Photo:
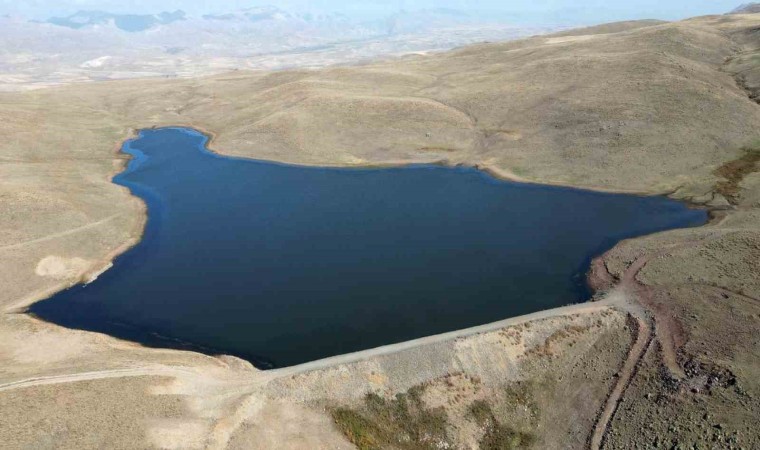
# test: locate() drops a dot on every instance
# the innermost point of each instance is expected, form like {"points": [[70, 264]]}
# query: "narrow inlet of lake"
{"points": [[283, 264]]}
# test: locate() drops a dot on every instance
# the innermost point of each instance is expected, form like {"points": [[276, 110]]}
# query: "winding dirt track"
{"points": [[639, 296], [50, 237], [96, 375], [644, 338], [644, 333]]}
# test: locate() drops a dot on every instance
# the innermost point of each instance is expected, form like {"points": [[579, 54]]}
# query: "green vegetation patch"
{"points": [[360, 431], [497, 436], [520, 396], [402, 422], [735, 171]]}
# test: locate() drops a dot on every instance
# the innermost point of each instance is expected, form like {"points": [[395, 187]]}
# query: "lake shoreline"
{"points": [[209, 137]]}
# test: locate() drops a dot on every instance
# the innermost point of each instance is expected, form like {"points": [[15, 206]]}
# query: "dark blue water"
{"points": [[281, 264]]}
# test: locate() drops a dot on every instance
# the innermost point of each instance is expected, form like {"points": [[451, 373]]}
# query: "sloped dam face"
{"points": [[282, 264]]}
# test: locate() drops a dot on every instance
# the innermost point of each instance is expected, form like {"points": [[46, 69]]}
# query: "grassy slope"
{"points": [[649, 109]]}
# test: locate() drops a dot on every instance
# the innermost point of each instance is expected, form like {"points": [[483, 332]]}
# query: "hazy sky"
{"points": [[523, 10]]}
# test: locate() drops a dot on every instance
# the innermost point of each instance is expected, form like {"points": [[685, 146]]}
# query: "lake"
{"points": [[282, 264]]}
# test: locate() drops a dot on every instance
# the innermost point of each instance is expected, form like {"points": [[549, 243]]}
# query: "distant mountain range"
{"points": [[747, 8], [411, 21], [100, 45], [273, 13], [125, 22], [269, 17]]}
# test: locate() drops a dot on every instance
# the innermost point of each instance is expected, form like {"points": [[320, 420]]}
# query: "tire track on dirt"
{"points": [[68, 232]]}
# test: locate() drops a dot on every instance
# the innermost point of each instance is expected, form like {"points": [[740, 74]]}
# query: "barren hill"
{"points": [[666, 357]]}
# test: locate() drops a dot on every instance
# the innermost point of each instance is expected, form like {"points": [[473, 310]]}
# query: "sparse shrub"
{"points": [[402, 422], [497, 436], [500, 437], [481, 412], [360, 431], [734, 172]]}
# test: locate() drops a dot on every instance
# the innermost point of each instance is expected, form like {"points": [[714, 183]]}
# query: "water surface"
{"points": [[283, 264]]}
